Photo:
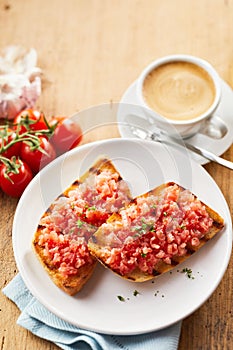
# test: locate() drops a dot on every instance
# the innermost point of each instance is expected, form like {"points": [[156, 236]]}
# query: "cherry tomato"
{"points": [[9, 135], [30, 119], [14, 183], [34, 157], [67, 135]]}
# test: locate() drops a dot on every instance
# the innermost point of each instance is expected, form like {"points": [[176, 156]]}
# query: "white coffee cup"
{"points": [[181, 90]]}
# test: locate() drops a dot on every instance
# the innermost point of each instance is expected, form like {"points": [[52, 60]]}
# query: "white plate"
{"points": [[224, 111], [172, 296]]}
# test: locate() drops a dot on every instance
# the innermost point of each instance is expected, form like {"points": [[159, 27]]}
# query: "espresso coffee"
{"points": [[179, 90]]}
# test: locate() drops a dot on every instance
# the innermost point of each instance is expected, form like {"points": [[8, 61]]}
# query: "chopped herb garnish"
{"points": [[79, 223], [164, 213], [143, 255], [91, 208], [137, 228], [144, 228], [157, 292], [136, 235], [135, 293], [121, 298], [188, 272]]}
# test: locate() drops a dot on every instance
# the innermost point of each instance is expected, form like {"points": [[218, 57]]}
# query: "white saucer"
{"points": [[224, 111]]}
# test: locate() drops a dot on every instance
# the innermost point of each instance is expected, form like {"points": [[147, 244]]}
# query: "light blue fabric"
{"points": [[41, 322]]}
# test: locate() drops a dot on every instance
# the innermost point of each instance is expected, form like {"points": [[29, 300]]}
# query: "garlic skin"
{"points": [[20, 80]]}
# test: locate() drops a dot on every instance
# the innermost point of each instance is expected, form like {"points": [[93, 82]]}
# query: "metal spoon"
{"points": [[162, 136], [214, 128]]}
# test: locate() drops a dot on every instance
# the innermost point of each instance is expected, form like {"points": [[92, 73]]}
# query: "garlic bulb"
{"points": [[20, 80]]}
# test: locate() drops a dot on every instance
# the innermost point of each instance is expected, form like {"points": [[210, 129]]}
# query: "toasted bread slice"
{"points": [[71, 284], [154, 233], [60, 241]]}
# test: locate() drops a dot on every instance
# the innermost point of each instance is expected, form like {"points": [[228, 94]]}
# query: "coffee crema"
{"points": [[179, 90]]}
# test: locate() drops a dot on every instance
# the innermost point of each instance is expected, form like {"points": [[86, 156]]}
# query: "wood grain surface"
{"points": [[90, 51]]}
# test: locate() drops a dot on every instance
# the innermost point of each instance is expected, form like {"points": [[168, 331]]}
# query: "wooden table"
{"points": [[90, 52]]}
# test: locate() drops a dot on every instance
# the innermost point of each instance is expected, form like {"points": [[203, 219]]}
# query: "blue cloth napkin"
{"points": [[41, 322]]}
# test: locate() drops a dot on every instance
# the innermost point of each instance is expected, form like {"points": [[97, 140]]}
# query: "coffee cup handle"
{"points": [[214, 128]]}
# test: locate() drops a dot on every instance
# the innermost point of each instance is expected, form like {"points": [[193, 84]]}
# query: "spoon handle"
{"points": [[162, 137], [196, 149], [209, 155]]}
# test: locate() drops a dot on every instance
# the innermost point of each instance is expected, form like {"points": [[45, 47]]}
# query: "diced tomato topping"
{"points": [[73, 219], [155, 228]]}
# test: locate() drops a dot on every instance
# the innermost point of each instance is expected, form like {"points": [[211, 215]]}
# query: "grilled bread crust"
{"points": [[70, 284], [73, 283], [98, 250]]}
